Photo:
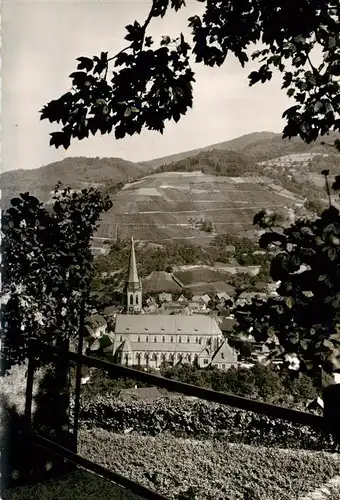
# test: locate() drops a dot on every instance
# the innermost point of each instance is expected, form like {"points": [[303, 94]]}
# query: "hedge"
{"points": [[186, 417]]}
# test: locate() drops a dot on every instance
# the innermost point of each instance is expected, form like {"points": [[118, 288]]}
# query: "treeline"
{"points": [[214, 162], [165, 258], [262, 383]]}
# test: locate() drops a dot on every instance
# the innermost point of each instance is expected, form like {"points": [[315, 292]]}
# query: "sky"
{"points": [[40, 43]]}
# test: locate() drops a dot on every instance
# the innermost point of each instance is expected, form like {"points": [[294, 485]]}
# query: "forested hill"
{"points": [[258, 146], [74, 172], [232, 157]]}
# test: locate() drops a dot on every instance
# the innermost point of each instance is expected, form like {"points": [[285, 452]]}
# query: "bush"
{"points": [[200, 419], [13, 386]]}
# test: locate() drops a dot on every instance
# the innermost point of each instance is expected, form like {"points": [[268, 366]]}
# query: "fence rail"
{"points": [[273, 411], [72, 457]]}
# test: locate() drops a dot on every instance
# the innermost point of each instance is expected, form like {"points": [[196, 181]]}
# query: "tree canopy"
{"points": [[47, 267], [304, 319], [142, 87]]}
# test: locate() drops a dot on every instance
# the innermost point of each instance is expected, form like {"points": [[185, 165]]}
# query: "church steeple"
{"points": [[133, 274], [134, 284]]}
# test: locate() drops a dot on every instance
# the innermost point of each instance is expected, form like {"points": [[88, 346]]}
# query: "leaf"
{"points": [[328, 344], [60, 139], [290, 302], [165, 40], [332, 253], [128, 112], [85, 63], [304, 344]]}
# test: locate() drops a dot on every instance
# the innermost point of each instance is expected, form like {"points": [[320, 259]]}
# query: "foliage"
{"points": [[304, 320], [183, 417], [259, 382], [13, 386], [50, 417], [160, 80], [46, 267]]}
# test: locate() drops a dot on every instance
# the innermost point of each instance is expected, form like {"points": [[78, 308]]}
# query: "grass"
{"points": [[78, 485]]}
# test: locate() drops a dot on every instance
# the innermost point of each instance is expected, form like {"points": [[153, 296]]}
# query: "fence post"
{"points": [[331, 401], [78, 378], [29, 384]]}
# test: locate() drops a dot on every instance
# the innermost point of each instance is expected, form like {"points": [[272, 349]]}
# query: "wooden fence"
{"points": [[273, 411]]}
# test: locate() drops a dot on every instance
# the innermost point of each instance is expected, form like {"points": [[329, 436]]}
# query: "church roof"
{"points": [[167, 324], [133, 274], [225, 354]]}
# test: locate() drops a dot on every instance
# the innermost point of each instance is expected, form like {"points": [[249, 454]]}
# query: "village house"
{"points": [[165, 297], [96, 325]]}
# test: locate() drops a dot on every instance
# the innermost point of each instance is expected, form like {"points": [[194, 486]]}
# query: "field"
{"points": [[159, 207], [211, 470]]}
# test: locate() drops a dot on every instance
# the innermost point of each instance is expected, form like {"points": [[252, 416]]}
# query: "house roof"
{"points": [[125, 346], [206, 353], [110, 310], [95, 321], [167, 323], [225, 354], [227, 325], [160, 281]]}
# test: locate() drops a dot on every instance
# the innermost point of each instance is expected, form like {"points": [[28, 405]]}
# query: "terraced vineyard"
{"points": [[159, 207]]}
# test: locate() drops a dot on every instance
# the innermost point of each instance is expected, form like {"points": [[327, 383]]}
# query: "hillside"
{"points": [[76, 172], [208, 191], [257, 146], [163, 207]]}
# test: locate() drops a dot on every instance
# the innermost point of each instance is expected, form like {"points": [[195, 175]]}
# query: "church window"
{"points": [[163, 339], [196, 340], [208, 341], [147, 338], [189, 358], [138, 338], [222, 355], [200, 341], [131, 300], [137, 299], [121, 338], [155, 339], [127, 359], [188, 340], [179, 339], [205, 361], [171, 339]]}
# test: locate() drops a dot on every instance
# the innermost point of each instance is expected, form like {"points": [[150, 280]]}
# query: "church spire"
{"points": [[133, 274], [134, 285]]}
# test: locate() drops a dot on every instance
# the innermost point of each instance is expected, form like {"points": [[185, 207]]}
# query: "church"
{"points": [[147, 340]]}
